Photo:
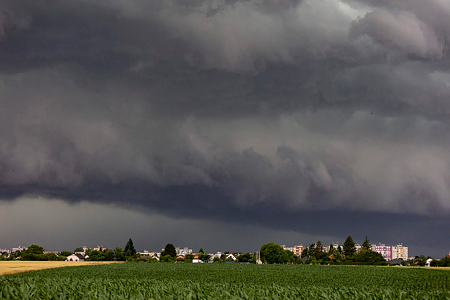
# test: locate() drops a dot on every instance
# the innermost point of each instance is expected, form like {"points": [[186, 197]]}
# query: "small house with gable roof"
{"points": [[75, 257]]}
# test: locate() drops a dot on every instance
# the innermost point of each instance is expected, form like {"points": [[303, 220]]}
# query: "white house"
{"points": [[217, 254], [230, 256], [75, 257]]}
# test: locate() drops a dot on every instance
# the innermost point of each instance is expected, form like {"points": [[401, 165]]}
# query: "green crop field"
{"points": [[226, 281]]}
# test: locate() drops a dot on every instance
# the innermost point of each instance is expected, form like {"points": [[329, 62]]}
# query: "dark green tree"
{"points": [[369, 257], [366, 244], [169, 250], [443, 262], [50, 256], [349, 247], [167, 258], [331, 250], [35, 249], [318, 251], [79, 249], [334, 254], [108, 254], [34, 252], [289, 256], [245, 257], [305, 252], [272, 253], [117, 254], [203, 256], [188, 258], [65, 253], [420, 260], [312, 250], [129, 248], [98, 256]]}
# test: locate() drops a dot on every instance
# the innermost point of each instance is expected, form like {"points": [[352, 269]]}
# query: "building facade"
{"points": [[399, 252], [183, 251], [75, 257], [385, 251], [287, 248], [298, 249]]}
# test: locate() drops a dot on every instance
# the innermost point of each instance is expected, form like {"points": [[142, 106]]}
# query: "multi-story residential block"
{"points": [[5, 251], [399, 252], [100, 248], [287, 248], [16, 249], [358, 247], [183, 251], [385, 251], [298, 249]]}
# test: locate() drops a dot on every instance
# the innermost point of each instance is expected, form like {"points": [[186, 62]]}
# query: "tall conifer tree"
{"points": [[129, 248], [349, 246]]}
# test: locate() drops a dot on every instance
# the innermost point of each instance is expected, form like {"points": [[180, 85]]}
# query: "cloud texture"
{"points": [[259, 111]]}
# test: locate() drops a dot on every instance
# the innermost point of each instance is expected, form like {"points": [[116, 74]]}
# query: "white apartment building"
{"points": [[399, 252], [287, 248], [183, 251], [16, 249]]}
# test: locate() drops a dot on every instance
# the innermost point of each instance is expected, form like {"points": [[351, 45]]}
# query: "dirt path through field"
{"points": [[11, 267]]}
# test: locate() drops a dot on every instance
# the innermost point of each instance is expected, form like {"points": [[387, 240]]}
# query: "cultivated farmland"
{"points": [[222, 281], [11, 267]]}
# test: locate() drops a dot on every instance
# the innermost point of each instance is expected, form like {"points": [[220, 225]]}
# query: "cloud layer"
{"points": [[228, 109]]}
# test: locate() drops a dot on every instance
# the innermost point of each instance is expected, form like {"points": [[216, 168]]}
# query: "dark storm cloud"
{"points": [[273, 112]]}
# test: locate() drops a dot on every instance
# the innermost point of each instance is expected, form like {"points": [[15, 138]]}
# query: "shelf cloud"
{"points": [[268, 113]]}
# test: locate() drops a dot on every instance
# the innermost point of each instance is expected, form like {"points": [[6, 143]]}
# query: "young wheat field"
{"points": [[226, 281]]}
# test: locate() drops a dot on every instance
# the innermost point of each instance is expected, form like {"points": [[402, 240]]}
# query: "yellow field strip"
{"points": [[11, 267]]}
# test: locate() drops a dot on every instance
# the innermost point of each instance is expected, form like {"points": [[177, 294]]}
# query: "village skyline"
{"points": [[389, 252]]}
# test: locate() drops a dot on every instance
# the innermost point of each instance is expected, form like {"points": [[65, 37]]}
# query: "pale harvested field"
{"points": [[11, 267]]}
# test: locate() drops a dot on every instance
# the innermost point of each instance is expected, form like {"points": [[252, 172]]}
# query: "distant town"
{"points": [[348, 253]]}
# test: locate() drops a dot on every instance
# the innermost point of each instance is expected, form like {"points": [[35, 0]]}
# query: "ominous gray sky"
{"points": [[224, 124]]}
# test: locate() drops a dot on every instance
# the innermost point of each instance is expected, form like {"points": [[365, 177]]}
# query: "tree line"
{"points": [[36, 253], [129, 253], [272, 253]]}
